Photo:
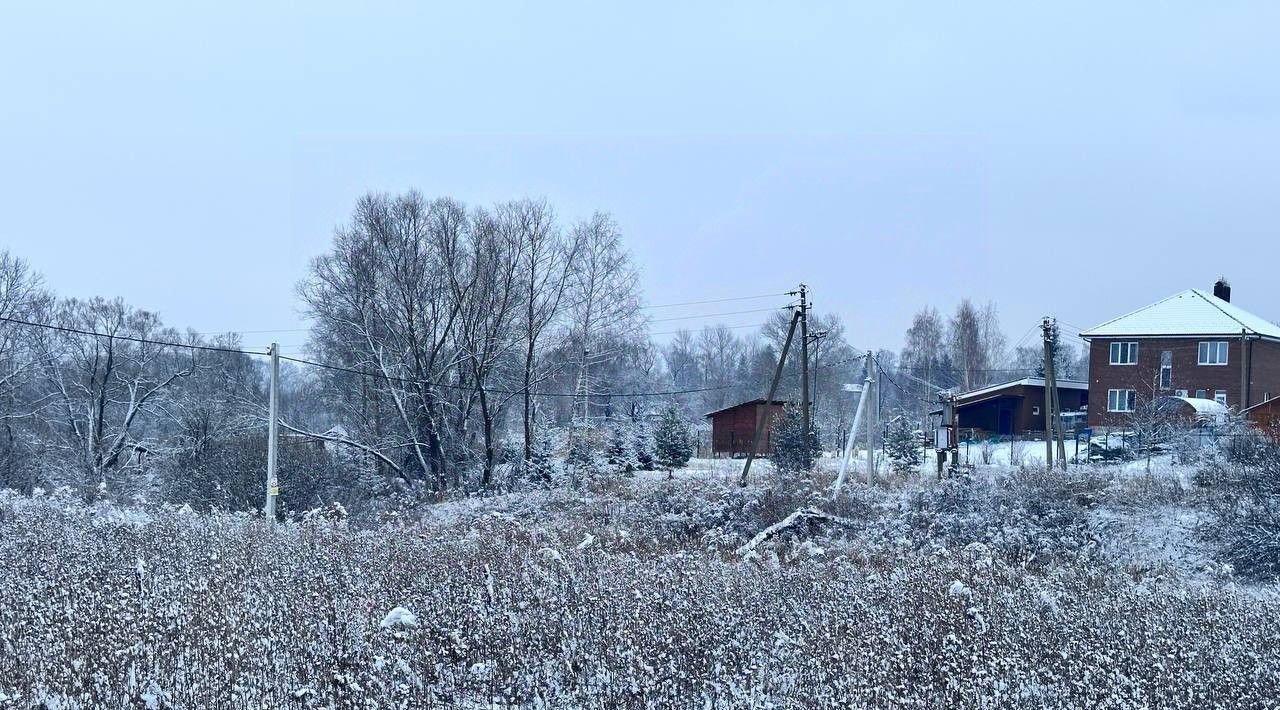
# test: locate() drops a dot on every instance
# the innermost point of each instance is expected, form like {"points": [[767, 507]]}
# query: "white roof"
{"points": [[1204, 406], [1207, 410], [1192, 312], [1030, 381]]}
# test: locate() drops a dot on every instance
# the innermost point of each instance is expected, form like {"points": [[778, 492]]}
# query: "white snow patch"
{"points": [[399, 616]]}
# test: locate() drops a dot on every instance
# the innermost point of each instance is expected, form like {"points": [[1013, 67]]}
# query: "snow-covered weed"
{"points": [[977, 592]]}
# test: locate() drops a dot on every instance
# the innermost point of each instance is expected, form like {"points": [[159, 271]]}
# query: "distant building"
{"points": [[1193, 345], [733, 429], [1266, 416], [1017, 407]]}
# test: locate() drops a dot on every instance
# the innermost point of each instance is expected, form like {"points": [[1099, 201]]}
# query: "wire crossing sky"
{"points": [[1075, 160]]}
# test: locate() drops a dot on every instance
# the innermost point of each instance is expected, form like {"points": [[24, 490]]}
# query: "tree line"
{"points": [[463, 347]]}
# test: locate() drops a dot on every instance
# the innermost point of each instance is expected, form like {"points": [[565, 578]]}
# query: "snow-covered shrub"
{"points": [[586, 459], [545, 465], [987, 450], [1246, 529], [514, 610], [1017, 452]]}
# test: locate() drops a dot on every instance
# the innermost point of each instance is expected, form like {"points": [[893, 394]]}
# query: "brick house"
{"points": [[1192, 344]]}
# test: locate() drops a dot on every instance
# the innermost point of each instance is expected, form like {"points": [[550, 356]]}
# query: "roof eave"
{"points": [[1252, 335]]}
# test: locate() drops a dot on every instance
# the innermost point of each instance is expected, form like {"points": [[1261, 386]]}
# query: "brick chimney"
{"points": [[1222, 289]]}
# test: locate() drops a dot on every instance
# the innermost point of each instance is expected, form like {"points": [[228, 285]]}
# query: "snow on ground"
{"points": [[1001, 587]]}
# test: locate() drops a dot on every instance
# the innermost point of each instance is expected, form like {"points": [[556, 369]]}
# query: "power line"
{"points": [[894, 382], [730, 327], [838, 363], [714, 315], [129, 338], [406, 380], [256, 332], [660, 305], [717, 300]]}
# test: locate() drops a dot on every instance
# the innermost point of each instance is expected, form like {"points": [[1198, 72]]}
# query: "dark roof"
{"points": [[1063, 384], [757, 400]]}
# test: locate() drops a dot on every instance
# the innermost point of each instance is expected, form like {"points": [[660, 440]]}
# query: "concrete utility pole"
{"points": [[1048, 398], [804, 360], [873, 414], [273, 436], [761, 420], [853, 433]]}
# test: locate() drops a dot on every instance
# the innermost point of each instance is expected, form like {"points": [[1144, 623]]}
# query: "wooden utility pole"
{"points": [[761, 420], [1245, 364], [273, 436], [804, 361], [1053, 433]]}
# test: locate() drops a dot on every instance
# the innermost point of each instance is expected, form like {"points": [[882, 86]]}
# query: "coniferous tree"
{"points": [[794, 451], [903, 446], [673, 439], [644, 446], [621, 448]]}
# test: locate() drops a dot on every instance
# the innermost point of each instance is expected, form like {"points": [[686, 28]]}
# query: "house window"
{"points": [[1182, 393], [1124, 353], [1121, 400], [1213, 353], [1220, 396], [1201, 394], [1166, 369], [1035, 411]]}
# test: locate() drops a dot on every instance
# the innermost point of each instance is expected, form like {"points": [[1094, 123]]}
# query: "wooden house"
{"points": [[733, 428]]}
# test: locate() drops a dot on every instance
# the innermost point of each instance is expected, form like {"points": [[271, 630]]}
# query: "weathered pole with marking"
{"points": [[761, 420]]}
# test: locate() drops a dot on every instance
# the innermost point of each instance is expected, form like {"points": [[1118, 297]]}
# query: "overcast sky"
{"points": [[1079, 161]]}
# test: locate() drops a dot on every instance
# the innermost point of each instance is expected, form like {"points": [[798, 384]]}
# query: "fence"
{"points": [[1117, 447]]}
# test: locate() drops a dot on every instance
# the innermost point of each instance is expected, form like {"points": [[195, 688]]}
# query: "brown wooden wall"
{"points": [[1020, 401], [732, 430]]}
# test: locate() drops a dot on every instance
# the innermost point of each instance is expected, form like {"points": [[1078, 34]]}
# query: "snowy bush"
{"points": [[1246, 528], [968, 593]]}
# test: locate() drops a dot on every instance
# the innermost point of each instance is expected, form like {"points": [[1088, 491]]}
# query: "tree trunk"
{"points": [[487, 476]]}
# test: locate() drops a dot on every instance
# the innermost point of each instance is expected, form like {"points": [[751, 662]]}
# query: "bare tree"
{"points": [[489, 289], [103, 386], [604, 298], [976, 342], [545, 262], [384, 300], [923, 356]]}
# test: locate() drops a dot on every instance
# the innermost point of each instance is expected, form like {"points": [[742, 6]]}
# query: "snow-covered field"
{"points": [[1009, 588]]}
